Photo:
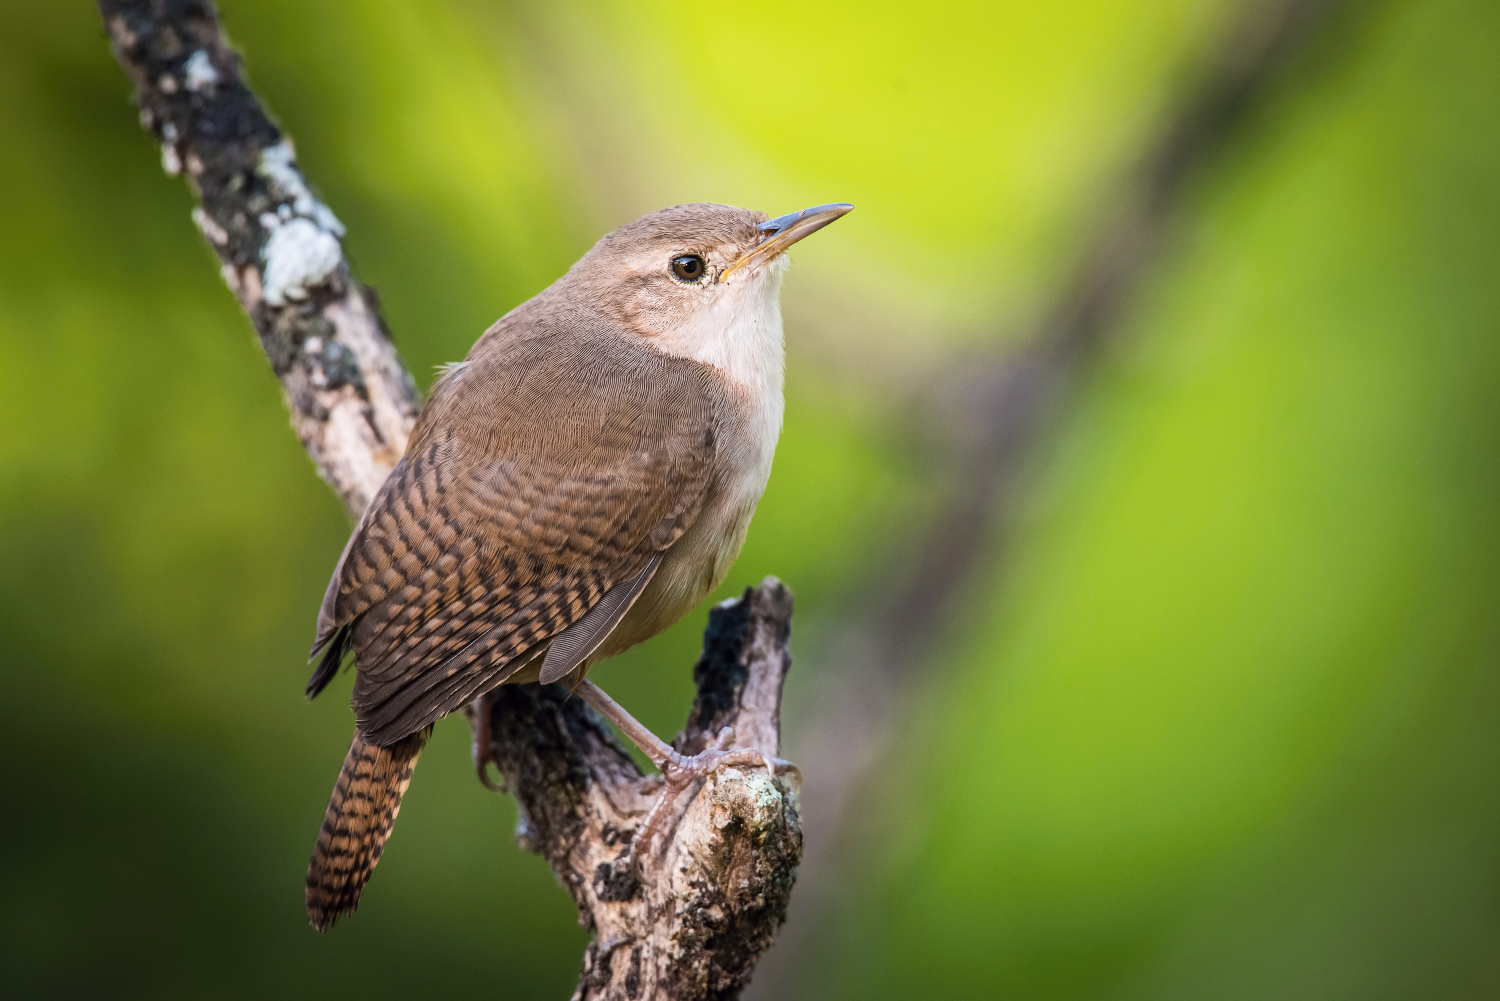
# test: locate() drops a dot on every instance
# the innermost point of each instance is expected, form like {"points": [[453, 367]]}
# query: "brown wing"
{"points": [[531, 488]]}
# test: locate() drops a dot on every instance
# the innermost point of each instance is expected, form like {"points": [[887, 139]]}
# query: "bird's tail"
{"points": [[360, 815]]}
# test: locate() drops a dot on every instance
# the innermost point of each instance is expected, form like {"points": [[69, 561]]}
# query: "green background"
{"points": [[1223, 721]]}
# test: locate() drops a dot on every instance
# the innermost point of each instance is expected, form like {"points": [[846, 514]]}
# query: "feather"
{"points": [[334, 649], [584, 636], [360, 815], [514, 513]]}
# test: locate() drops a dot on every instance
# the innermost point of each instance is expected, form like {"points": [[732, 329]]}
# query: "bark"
{"points": [[690, 919], [352, 401]]}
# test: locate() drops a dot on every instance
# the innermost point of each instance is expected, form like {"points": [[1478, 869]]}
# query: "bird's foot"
{"points": [[684, 768], [679, 771], [483, 746]]}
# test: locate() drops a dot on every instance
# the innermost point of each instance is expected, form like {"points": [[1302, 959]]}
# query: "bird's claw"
{"points": [[483, 745], [682, 770], [481, 765]]}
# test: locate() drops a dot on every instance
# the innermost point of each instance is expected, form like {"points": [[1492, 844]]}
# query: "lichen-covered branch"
{"points": [[352, 402], [689, 920]]}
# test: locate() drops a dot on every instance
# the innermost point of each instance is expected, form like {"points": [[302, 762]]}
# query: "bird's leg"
{"points": [[677, 769], [483, 748], [674, 764]]}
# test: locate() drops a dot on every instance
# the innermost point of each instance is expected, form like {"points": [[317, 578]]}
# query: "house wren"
{"points": [[573, 487]]}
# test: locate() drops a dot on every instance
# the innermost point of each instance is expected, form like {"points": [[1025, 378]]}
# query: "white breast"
{"points": [[741, 337], [744, 342], [739, 334]]}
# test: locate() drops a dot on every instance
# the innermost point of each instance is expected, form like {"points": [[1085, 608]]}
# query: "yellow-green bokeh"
{"points": [[1222, 724]]}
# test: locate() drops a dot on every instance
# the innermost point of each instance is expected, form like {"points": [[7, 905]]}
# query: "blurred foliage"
{"points": [[1228, 728], [1223, 727]]}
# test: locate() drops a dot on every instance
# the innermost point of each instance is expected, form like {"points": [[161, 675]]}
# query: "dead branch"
{"points": [[689, 921]]}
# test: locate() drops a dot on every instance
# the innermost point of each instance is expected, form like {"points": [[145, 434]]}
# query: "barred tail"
{"points": [[360, 814]]}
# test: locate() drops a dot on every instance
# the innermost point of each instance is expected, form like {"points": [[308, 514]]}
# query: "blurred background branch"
{"points": [[984, 416]]}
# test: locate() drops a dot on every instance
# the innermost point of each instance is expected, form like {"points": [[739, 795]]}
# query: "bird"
{"points": [[578, 483]]}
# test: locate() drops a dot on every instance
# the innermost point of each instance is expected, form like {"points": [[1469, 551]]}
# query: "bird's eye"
{"points": [[688, 267]]}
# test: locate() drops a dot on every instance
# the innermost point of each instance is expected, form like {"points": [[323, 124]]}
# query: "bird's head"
{"points": [[697, 280]]}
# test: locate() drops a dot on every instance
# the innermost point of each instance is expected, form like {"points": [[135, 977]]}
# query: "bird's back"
{"points": [[549, 467]]}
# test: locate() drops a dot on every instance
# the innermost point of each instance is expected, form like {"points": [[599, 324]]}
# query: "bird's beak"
{"points": [[783, 231]]}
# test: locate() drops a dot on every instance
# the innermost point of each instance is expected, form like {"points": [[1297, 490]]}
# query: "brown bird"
{"points": [[573, 487]]}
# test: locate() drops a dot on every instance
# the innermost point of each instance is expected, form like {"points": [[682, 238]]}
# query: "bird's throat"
{"points": [[741, 337]]}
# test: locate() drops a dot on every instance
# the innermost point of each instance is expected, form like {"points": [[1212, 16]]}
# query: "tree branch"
{"points": [[690, 920], [352, 402]]}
